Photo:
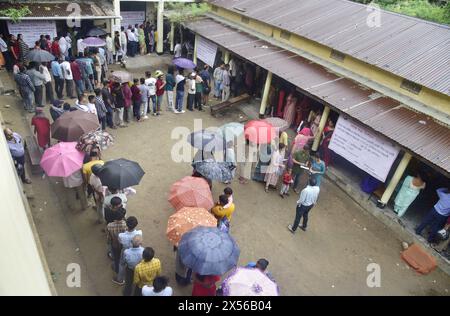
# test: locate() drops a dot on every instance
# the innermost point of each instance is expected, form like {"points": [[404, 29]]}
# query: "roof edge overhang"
{"points": [[38, 18]]}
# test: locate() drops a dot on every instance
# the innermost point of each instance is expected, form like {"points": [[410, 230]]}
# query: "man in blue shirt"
{"points": [[437, 216], [59, 79]]}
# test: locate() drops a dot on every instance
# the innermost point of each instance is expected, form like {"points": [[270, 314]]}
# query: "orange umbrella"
{"points": [[191, 192], [186, 219]]}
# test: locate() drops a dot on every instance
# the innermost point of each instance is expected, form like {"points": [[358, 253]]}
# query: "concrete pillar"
{"points": [[323, 121], [159, 45], [115, 23], [265, 97], [194, 57], [172, 36], [226, 57], [396, 178]]}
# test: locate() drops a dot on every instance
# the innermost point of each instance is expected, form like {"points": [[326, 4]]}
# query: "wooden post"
{"points": [[160, 28], [323, 121], [194, 57], [396, 178], [265, 97], [172, 36]]}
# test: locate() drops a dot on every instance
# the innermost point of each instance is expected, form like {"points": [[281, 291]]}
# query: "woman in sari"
{"points": [[141, 35], [302, 138], [275, 168], [326, 138], [290, 109], [410, 189]]}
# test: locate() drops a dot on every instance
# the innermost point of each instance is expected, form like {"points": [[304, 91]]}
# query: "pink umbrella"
{"points": [[62, 160]]}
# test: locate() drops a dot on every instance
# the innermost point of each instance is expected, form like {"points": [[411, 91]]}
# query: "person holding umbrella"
{"points": [[205, 285]]}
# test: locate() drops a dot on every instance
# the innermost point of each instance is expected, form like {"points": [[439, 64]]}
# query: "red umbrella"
{"points": [[191, 192], [259, 132]]}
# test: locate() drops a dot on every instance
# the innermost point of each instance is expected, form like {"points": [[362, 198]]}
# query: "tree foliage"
{"points": [[431, 10], [180, 12], [16, 14]]}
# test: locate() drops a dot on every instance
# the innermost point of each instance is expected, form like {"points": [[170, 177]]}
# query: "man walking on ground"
{"points": [[308, 198], [437, 216]]}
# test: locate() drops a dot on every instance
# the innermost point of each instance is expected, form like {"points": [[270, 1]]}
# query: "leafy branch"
{"points": [[15, 14]]}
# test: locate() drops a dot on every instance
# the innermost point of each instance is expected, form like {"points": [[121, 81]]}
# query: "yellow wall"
{"points": [[431, 98]]}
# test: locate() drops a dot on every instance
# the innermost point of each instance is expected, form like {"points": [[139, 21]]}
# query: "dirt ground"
{"points": [[331, 258]]}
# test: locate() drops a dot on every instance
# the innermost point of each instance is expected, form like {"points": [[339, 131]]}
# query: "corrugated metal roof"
{"points": [[411, 48], [59, 8], [416, 132]]}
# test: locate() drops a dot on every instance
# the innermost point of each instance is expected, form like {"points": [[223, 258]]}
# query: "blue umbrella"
{"points": [[184, 63], [231, 131], [208, 251], [207, 141], [214, 171]]}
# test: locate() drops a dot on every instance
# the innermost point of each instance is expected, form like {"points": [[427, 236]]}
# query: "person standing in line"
{"points": [[23, 50], [109, 49], [308, 198], [177, 50], [75, 182], [147, 30], [198, 92], [113, 229], [226, 82], [180, 81], [41, 128], [26, 89], [69, 45], [117, 47], [38, 80], [58, 78], [299, 158], [151, 83], [48, 84], [131, 42], [68, 78], [77, 76], [131, 258], [14, 49], [318, 168], [145, 97], [96, 185], [6, 54], [206, 77], [137, 100], [17, 150], [108, 100], [218, 78], [191, 91], [56, 51], [141, 38], [123, 42], [146, 271], [160, 87], [63, 47], [127, 96], [170, 85], [100, 108], [80, 47], [125, 240], [437, 216], [160, 288], [119, 103], [408, 192]]}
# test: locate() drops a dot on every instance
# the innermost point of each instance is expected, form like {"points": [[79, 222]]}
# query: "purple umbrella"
{"points": [[94, 42], [184, 63]]}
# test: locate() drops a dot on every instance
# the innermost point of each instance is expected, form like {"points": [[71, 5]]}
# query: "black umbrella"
{"points": [[40, 56], [96, 31], [121, 174]]}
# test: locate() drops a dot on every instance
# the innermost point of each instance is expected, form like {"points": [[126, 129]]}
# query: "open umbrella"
{"points": [[231, 131], [70, 126], [184, 63], [99, 139], [186, 219], [120, 76], [94, 42], [40, 56], [208, 251], [249, 282], [214, 171], [121, 174], [191, 192], [62, 160], [207, 141], [96, 31], [259, 132], [278, 123]]}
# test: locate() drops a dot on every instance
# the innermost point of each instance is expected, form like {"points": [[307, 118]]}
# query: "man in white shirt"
{"points": [[151, 83], [96, 184], [81, 103], [308, 198], [69, 45], [177, 51], [123, 42], [48, 84], [132, 41], [63, 47], [159, 288], [109, 49], [68, 77], [126, 238], [80, 46]]}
